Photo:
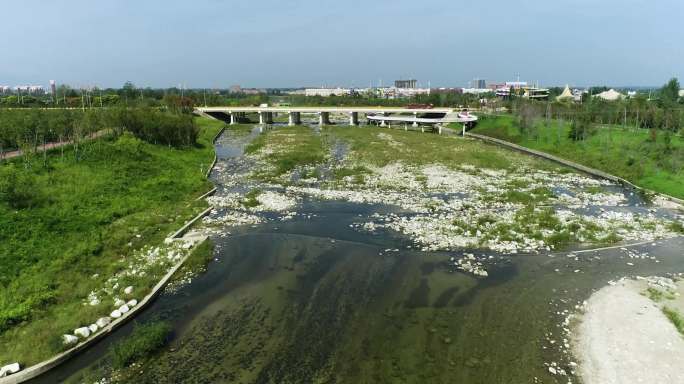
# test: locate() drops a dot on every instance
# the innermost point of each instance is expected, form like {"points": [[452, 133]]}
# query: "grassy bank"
{"points": [[629, 153], [81, 219]]}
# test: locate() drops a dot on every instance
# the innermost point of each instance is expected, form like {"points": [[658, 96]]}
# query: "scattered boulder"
{"points": [[10, 369], [103, 321], [115, 314], [93, 328], [132, 303], [69, 339], [82, 332], [118, 302], [128, 290], [124, 308]]}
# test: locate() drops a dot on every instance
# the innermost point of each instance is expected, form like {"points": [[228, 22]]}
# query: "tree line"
{"points": [[28, 129], [662, 113]]}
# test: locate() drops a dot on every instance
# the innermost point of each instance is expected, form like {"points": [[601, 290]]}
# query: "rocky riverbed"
{"points": [[358, 267]]}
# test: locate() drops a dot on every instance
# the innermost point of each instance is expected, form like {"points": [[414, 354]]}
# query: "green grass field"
{"points": [[81, 218], [625, 152]]}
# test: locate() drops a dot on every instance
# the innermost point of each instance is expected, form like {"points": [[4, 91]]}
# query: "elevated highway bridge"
{"points": [[380, 115]]}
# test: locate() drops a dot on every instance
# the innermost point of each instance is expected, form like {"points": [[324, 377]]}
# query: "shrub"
{"points": [[143, 341], [157, 127], [18, 188]]}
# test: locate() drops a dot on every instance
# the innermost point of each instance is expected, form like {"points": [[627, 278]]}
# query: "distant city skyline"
{"points": [[275, 44]]}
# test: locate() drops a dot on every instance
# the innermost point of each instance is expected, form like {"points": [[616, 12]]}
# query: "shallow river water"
{"points": [[311, 299]]}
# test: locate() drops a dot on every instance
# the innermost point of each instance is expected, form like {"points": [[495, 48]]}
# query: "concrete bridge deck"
{"points": [[382, 115]]}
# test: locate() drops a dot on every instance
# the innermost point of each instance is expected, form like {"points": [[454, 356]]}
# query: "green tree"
{"points": [[669, 93]]}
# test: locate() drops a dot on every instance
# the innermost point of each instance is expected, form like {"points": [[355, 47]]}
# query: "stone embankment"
{"points": [[579, 167]]}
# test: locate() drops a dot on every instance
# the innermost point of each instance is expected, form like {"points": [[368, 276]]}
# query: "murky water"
{"points": [[312, 300]]}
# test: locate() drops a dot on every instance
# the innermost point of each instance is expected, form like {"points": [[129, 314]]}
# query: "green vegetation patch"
{"points": [[652, 159], [675, 317], [380, 147], [76, 219], [289, 148], [250, 200], [141, 343], [657, 295]]}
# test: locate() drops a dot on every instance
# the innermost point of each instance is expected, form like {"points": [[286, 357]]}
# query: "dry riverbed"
{"points": [[627, 333]]}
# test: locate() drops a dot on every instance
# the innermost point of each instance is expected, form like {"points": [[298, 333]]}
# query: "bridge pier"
{"points": [[294, 118], [323, 118], [233, 118], [265, 117], [415, 123], [353, 118]]}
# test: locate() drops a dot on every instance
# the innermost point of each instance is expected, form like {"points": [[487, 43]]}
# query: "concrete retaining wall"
{"points": [[571, 164], [40, 368]]}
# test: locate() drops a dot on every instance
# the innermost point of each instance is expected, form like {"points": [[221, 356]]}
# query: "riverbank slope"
{"points": [[85, 219]]}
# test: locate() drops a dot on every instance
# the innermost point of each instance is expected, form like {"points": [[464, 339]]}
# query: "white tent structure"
{"points": [[610, 95], [566, 95]]}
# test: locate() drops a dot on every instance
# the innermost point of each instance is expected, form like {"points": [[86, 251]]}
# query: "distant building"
{"points": [[566, 95], [406, 84], [516, 84], [479, 83], [33, 89], [252, 91], [476, 91], [5, 88], [327, 92], [53, 89], [235, 89], [610, 95]]}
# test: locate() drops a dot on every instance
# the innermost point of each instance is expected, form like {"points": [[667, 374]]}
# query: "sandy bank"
{"points": [[624, 337]]}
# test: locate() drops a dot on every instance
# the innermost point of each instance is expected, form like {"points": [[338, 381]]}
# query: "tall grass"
{"points": [[142, 342], [631, 154], [84, 218]]}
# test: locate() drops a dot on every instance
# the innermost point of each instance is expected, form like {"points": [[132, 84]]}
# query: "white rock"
{"points": [[119, 302], [9, 369], [69, 339], [93, 328], [132, 303], [103, 321], [128, 290], [124, 308], [115, 314], [82, 332]]}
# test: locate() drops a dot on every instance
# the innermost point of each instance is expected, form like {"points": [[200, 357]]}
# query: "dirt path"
{"points": [[625, 338], [49, 146]]}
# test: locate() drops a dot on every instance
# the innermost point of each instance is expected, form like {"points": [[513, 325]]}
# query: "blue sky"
{"points": [[280, 43]]}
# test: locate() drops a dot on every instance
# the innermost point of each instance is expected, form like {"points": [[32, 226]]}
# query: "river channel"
{"points": [[311, 299]]}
